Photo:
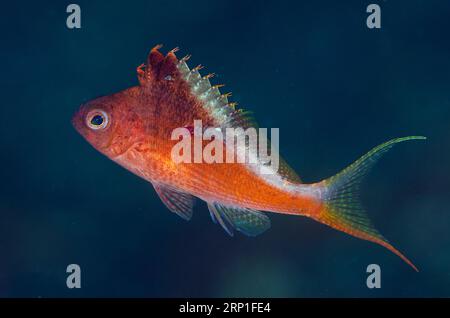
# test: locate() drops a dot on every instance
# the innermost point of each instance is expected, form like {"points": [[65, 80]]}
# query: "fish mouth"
{"points": [[77, 119], [76, 122]]}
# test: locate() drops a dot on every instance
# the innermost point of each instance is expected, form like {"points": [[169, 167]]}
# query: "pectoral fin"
{"points": [[247, 221], [176, 201]]}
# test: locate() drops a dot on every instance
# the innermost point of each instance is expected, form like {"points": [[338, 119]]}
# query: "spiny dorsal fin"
{"points": [[225, 112], [176, 201], [158, 66], [216, 103]]}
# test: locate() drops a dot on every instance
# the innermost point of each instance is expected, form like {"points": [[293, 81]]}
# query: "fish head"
{"points": [[108, 123]]}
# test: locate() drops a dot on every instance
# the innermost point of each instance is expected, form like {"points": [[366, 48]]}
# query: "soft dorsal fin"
{"points": [[176, 201], [287, 172], [250, 222]]}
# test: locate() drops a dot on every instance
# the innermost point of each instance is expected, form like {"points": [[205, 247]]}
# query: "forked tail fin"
{"points": [[342, 209]]}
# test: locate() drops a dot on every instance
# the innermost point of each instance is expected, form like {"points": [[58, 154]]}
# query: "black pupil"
{"points": [[97, 120]]}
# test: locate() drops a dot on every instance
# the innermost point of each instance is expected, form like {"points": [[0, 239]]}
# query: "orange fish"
{"points": [[134, 128]]}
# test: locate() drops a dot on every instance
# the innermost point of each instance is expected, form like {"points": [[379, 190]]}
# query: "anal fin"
{"points": [[249, 222]]}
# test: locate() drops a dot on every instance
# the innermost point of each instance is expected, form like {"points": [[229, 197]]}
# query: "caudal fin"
{"points": [[342, 209]]}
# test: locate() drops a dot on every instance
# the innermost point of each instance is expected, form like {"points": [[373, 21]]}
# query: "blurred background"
{"points": [[312, 68]]}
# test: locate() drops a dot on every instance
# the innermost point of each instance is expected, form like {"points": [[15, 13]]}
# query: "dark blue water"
{"points": [[312, 68]]}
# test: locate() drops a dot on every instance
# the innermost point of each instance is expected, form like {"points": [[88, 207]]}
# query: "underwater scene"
{"points": [[105, 103]]}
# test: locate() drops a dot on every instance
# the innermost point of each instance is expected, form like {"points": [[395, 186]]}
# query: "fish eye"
{"points": [[97, 119]]}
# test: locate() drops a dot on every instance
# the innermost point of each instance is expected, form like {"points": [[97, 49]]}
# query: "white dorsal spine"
{"points": [[183, 68], [224, 113], [213, 100]]}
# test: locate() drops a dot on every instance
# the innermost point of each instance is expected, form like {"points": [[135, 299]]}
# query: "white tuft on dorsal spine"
{"points": [[213, 101], [225, 114]]}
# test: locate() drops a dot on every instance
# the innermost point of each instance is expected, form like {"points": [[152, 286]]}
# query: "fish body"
{"points": [[135, 128]]}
